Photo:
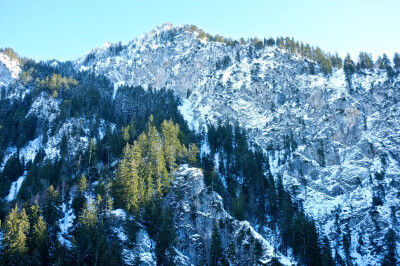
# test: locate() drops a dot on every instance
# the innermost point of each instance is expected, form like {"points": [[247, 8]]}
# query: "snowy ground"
{"points": [[15, 186]]}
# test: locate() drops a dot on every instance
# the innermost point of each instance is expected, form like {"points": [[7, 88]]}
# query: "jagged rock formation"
{"points": [[334, 139], [196, 210], [344, 130]]}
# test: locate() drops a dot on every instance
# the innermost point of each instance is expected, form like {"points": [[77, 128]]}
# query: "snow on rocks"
{"points": [[15, 186], [192, 202], [9, 70]]}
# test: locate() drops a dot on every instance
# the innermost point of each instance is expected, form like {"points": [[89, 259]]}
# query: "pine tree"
{"points": [[396, 61], [63, 145], [126, 184], [172, 145], [365, 61], [348, 66], [216, 254], [39, 240], [327, 259], [38, 236], [14, 240], [79, 199], [87, 235], [52, 213], [239, 206], [193, 154], [91, 156], [390, 256], [386, 65], [125, 134]]}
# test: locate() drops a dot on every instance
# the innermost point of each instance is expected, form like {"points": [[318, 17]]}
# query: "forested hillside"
{"points": [[182, 148]]}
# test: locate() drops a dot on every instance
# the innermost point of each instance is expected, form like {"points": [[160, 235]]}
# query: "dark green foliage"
{"points": [[239, 206], [94, 245], [40, 172], [390, 256], [253, 193], [327, 259], [376, 201], [346, 239], [321, 153], [38, 241], [14, 242], [396, 61], [79, 200], [224, 63], [387, 65], [159, 222], [12, 170], [146, 168], [365, 61], [336, 61], [348, 66], [216, 251], [52, 213]]}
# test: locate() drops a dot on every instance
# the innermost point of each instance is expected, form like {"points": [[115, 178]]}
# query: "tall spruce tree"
{"points": [[14, 240], [52, 213], [396, 61], [390, 256], [216, 251]]}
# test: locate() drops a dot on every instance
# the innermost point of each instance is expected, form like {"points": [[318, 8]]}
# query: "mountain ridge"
{"points": [[331, 137]]}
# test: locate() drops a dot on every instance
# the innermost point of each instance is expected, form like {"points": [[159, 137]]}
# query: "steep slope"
{"points": [[334, 138], [9, 69], [196, 211]]}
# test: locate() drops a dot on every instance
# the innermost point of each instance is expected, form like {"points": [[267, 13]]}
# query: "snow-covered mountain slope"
{"points": [[335, 142], [9, 69]]}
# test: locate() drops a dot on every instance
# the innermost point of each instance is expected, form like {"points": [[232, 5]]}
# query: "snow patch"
{"points": [[187, 112], [15, 186]]}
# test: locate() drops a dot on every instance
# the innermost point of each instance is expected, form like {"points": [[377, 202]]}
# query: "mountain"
{"points": [[329, 134]]}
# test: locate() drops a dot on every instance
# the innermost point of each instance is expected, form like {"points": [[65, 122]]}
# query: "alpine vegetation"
{"points": [[184, 148]]}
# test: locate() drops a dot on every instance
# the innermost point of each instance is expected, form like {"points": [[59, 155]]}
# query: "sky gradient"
{"points": [[66, 30]]}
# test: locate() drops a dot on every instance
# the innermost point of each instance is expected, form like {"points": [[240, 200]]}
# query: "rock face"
{"points": [[334, 140], [196, 210]]}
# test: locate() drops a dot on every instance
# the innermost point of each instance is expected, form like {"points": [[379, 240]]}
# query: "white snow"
{"points": [[116, 86], [10, 151], [9, 70], [121, 234], [66, 222], [15, 186], [120, 213], [187, 112], [204, 149], [31, 149]]}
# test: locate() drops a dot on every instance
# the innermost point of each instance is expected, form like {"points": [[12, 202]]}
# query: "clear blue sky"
{"points": [[67, 29]]}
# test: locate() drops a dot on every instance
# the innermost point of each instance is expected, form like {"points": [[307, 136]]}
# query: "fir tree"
{"points": [[216, 251], [14, 240], [348, 66], [327, 259], [193, 154], [396, 61], [127, 183], [87, 235], [39, 240], [52, 213], [79, 199], [390, 256]]}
